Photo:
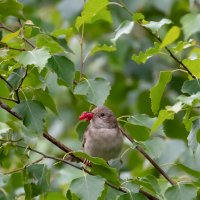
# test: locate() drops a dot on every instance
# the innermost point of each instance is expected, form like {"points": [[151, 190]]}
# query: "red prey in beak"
{"points": [[86, 115]]}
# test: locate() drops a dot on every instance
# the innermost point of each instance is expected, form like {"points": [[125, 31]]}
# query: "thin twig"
{"points": [[10, 30], [142, 151], [8, 99], [1, 77], [81, 58], [8, 109], [149, 196]]}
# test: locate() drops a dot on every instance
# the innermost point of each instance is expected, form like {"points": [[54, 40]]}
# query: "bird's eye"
{"points": [[102, 114]]}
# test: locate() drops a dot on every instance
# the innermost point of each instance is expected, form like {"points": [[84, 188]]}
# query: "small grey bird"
{"points": [[102, 137]]}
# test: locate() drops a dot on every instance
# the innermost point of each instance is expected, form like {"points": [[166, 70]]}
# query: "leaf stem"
{"points": [[10, 30], [81, 58]]}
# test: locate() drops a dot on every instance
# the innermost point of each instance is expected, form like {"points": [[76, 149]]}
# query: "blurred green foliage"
{"points": [[140, 58]]}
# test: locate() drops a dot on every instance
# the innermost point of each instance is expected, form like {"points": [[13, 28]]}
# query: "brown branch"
{"points": [[8, 99], [10, 30], [8, 109], [156, 166], [1, 77], [148, 195]]}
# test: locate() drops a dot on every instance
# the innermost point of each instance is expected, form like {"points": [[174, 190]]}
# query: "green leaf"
{"points": [[131, 196], [92, 13], [37, 57], [100, 167], [137, 17], [191, 86], [140, 133], [10, 36], [180, 192], [43, 40], [192, 137], [190, 24], [163, 115], [36, 180], [11, 8], [124, 28], [155, 26], [189, 100], [4, 128], [142, 120], [16, 77], [63, 67], [154, 147], [157, 91], [193, 66], [171, 36], [55, 195], [33, 114], [87, 187], [96, 90], [144, 56], [102, 48], [44, 97]]}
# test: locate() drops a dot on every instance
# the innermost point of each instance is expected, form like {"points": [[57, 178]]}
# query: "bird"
{"points": [[103, 137]]}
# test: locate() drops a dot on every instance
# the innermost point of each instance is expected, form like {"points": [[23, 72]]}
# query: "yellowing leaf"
{"points": [[193, 66], [171, 36], [10, 36]]}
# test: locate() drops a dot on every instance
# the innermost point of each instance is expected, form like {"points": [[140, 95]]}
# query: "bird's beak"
{"points": [[86, 115]]}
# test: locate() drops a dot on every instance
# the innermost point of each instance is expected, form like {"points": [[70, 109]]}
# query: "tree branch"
{"points": [[149, 196], [10, 30], [142, 151], [8, 109]]}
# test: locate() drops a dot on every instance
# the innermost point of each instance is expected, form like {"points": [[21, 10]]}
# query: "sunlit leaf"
{"points": [[144, 56], [157, 91], [155, 26], [10, 36], [96, 90], [92, 13], [163, 115], [124, 28], [4, 128], [193, 66], [37, 57], [33, 114], [172, 35], [104, 47], [87, 187]]}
